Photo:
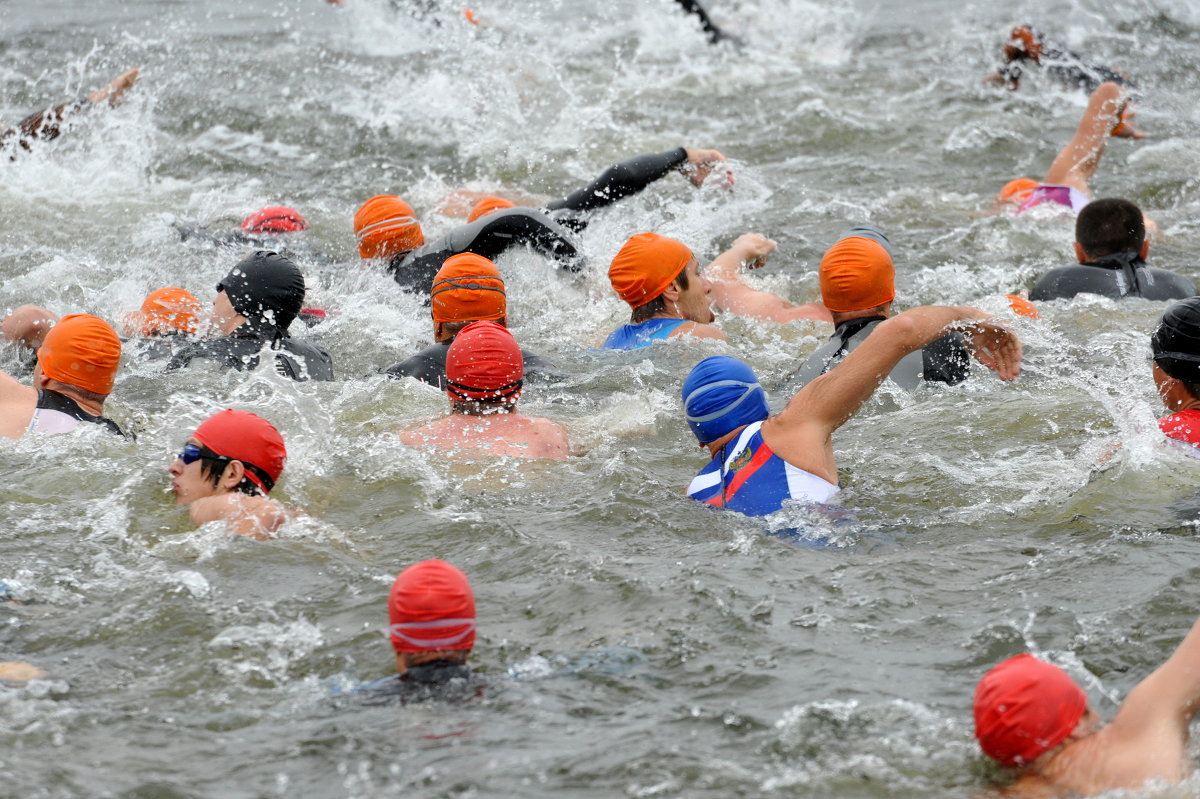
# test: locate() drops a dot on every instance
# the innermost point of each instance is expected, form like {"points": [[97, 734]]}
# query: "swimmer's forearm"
{"points": [[622, 180]]}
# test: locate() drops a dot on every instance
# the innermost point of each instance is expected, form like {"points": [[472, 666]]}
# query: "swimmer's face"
{"points": [[188, 482], [225, 318], [694, 303]]}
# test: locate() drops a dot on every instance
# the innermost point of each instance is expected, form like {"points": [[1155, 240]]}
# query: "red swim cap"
{"points": [[431, 607], [645, 267], [386, 225], [484, 364], [274, 219], [1025, 707], [82, 351], [249, 438], [488, 205]]}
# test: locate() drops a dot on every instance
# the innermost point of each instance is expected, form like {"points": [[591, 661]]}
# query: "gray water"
{"points": [[632, 642]]}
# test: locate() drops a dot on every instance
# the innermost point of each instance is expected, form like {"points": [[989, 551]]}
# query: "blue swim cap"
{"points": [[722, 394]]}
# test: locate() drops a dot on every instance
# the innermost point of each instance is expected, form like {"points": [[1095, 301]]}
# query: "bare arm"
{"points": [[27, 325], [732, 294], [1077, 162], [803, 433], [114, 92]]}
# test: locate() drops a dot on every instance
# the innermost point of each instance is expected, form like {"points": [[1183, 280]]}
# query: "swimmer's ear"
{"points": [[1080, 254], [231, 478]]}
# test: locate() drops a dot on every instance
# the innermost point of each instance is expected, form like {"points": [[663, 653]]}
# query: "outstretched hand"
{"points": [[996, 347], [700, 164], [752, 249], [1124, 128]]}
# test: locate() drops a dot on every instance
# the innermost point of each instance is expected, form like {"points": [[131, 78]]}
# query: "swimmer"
{"points": [[20, 671], [1175, 345], [1031, 715], [468, 288], [1111, 246], [759, 461], [484, 377], [262, 229], [660, 279], [858, 285], [255, 304], [1066, 182], [386, 226], [1068, 68], [225, 471], [76, 367], [431, 610], [48, 124]]}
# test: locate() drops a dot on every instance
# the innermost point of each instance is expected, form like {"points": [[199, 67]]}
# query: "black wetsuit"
{"points": [[715, 34], [1065, 67], [548, 230], [55, 403], [1115, 276], [44, 125], [429, 366], [294, 358], [439, 679], [944, 360]]}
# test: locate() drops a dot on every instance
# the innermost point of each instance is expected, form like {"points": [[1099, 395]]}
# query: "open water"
{"points": [[633, 643]]}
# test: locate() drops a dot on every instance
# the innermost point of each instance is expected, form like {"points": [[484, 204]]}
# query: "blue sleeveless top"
{"points": [[643, 334], [750, 478]]}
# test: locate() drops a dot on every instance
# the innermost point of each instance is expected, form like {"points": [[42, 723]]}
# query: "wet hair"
{"points": [[212, 469], [1109, 226], [76, 392], [658, 304]]}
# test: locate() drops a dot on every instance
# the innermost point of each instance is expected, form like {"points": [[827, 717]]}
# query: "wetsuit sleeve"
{"points": [[538, 367], [946, 360], [428, 366], [621, 180], [495, 233], [44, 125]]}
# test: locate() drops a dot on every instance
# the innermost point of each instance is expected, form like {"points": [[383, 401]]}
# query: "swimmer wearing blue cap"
{"points": [[759, 460]]}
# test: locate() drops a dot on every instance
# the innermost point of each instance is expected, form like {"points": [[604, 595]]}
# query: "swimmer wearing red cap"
{"points": [[225, 471], [48, 124], [484, 378], [760, 461], [1031, 715], [77, 360], [660, 279]]}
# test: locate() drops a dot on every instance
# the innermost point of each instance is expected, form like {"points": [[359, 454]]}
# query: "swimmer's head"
{"points": [[645, 266], [266, 288], [1176, 341], [488, 205], [857, 272], [386, 226], [248, 438], [431, 608], [1023, 42], [1110, 225], [82, 351], [168, 311], [1016, 191], [1025, 707], [468, 288], [485, 367], [720, 395], [274, 220]]}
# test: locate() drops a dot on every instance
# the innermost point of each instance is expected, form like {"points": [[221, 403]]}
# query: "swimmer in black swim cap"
{"points": [[1176, 347]]}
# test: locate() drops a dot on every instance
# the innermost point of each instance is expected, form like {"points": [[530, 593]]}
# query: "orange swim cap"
{"points": [[1022, 307], [386, 225], [1017, 191], [1028, 40], [81, 351], [645, 267], [468, 288], [170, 310], [857, 273], [487, 206]]}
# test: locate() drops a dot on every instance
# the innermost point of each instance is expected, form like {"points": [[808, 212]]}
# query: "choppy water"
{"points": [[634, 644]]}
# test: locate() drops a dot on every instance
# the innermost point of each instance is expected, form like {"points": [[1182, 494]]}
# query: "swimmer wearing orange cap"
{"points": [[1028, 44], [76, 366], [858, 285], [1067, 181], [1031, 715], [484, 378], [48, 125], [1111, 246], [660, 279], [225, 471], [468, 288]]}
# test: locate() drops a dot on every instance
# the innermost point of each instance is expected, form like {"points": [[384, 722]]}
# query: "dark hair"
{"points": [[658, 304], [213, 468], [1109, 226]]}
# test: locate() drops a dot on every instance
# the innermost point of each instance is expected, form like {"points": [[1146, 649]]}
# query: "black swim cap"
{"points": [[267, 289], [1176, 341]]}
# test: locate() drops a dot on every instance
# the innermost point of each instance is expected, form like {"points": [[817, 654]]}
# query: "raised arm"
{"points": [[731, 293], [802, 433], [1105, 114], [634, 174]]}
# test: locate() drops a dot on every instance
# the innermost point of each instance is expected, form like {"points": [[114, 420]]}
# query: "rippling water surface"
{"points": [[633, 643]]}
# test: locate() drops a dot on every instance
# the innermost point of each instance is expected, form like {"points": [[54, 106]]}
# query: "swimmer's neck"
{"points": [[481, 408], [714, 447]]}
